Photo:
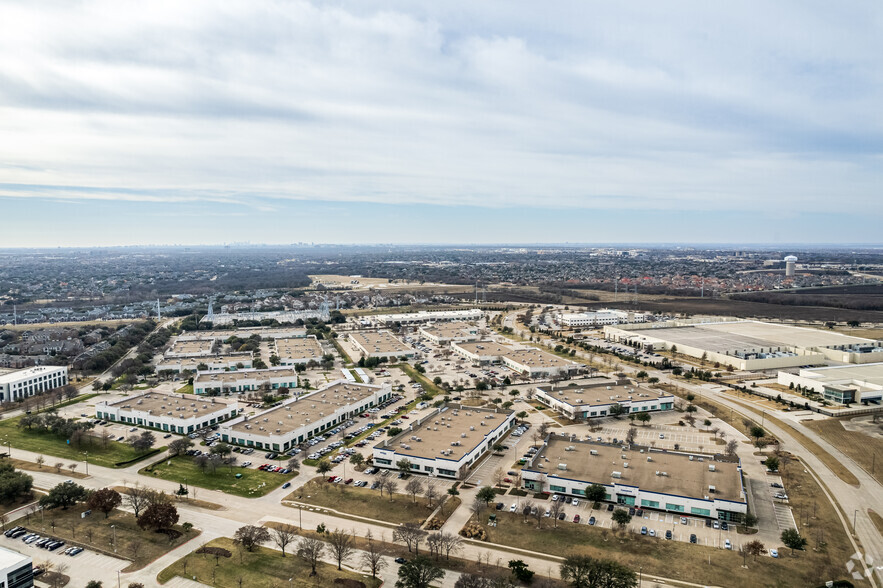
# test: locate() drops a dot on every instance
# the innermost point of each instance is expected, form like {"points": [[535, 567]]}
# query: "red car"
{"points": [[404, 416], [332, 479], [575, 518], [349, 481]]}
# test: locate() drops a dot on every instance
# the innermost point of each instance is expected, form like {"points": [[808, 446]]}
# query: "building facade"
{"points": [[16, 570], [597, 400], [27, 382], [174, 413], [246, 380]]}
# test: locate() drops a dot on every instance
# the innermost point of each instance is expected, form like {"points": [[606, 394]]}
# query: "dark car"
{"points": [[776, 485], [591, 520], [724, 526], [631, 512], [499, 506], [640, 512], [707, 522], [400, 560], [561, 516], [668, 534], [609, 507], [693, 538]]}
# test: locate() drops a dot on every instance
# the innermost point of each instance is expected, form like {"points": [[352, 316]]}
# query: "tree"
{"points": [[143, 442], [644, 417], [596, 493], [631, 435], [137, 498], [757, 432], [754, 548], [342, 545], [792, 539], [64, 495], [323, 467], [582, 571], [404, 464], [732, 444], [158, 516], [418, 572], [13, 483], [772, 463], [311, 550], [104, 500], [40, 461], [357, 459], [414, 487], [621, 517], [641, 375], [617, 410], [520, 571], [250, 536], [554, 510], [410, 534], [431, 494], [486, 494], [93, 584], [283, 535], [180, 446], [372, 555]]}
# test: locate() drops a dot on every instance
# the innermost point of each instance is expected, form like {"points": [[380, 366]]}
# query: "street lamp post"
{"points": [[114, 529], [854, 515], [86, 461]]}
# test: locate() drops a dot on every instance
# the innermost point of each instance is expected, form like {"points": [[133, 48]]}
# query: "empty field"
{"points": [[865, 450]]}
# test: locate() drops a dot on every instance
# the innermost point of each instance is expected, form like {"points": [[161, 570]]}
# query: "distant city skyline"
{"points": [[446, 123]]}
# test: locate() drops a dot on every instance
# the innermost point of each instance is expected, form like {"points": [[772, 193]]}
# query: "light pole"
{"points": [[114, 529], [300, 516], [854, 515], [118, 579], [86, 461]]}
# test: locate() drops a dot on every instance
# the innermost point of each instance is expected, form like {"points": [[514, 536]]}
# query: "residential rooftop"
{"points": [[678, 474], [305, 410]]}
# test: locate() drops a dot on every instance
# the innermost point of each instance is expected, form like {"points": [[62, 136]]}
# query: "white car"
{"points": [[513, 507], [576, 502], [727, 544], [774, 553]]}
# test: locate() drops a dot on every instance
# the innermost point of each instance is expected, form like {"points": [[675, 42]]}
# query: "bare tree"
{"points": [[89, 534], [135, 547], [732, 444], [631, 435], [283, 535], [527, 508], [449, 543], [342, 545], [410, 534], [311, 550], [414, 487], [72, 467], [40, 461], [538, 515], [58, 466], [499, 476], [372, 556], [137, 497], [430, 494], [391, 486], [555, 509]]}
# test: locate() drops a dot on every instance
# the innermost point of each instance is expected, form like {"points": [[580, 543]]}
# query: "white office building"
{"points": [[16, 570], [175, 413], [606, 316], [29, 381]]}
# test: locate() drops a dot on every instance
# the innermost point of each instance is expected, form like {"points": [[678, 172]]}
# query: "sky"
{"points": [[200, 122]]}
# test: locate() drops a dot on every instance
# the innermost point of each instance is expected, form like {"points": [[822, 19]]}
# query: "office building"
{"points": [[174, 413], [16, 570], [841, 384], [596, 400], [380, 344], [19, 384], [527, 361], [444, 333], [246, 380]]}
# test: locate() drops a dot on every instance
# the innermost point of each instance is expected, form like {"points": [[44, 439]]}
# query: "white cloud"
{"points": [[744, 107]]}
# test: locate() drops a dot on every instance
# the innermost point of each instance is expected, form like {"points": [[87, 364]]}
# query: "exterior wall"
{"points": [[144, 418], [249, 382], [473, 314], [537, 372], [18, 571], [30, 381], [284, 441], [588, 411], [439, 467]]}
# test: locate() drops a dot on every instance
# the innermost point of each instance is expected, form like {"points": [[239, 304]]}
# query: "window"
{"points": [[383, 461], [427, 468], [700, 511], [650, 503], [554, 488], [444, 472], [674, 507]]}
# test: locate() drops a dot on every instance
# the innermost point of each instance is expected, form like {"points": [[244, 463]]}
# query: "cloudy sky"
{"points": [[440, 122]]}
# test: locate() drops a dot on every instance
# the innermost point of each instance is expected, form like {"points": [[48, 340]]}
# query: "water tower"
{"points": [[790, 264]]}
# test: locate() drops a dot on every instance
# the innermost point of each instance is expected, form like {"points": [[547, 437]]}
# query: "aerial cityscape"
{"points": [[456, 295]]}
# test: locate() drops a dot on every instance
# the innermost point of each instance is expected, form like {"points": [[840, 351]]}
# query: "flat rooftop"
{"points": [[305, 410], [173, 405], [869, 373], [192, 347], [603, 394], [484, 348], [465, 425], [536, 358], [452, 329], [380, 342], [299, 348], [684, 477], [237, 376], [243, 357], [15, 375], [245, 333]]}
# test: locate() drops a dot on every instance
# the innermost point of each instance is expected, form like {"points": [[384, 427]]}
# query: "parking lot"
{"points": [[85, 560]]}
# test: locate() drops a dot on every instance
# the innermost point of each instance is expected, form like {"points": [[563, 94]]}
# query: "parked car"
{"points": [[653, 532], [774, 553], [499, 506], [643, 530], [683, 520], [725, 526], [591, 520], [727, 544], [668, 535], [513, 507], [575, 518], [400, 560], [286, 485], [693, 538]]}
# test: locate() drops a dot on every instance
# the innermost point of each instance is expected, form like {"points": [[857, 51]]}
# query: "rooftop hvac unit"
{"points": [[260, 428], [649, 458], [625, 464], [471, 428], [419, 439], [610, 387], [277, 430], [711, 467], [562, 467], [616, 475], [462, 435], [482, 423], [593, 452], [569, 448], [691, 458], [711, 490]]}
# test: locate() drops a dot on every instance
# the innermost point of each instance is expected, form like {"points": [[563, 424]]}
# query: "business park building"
{"points": [[749, 345], [453, 332], [527, 361], [19, 384], [842, 384], [296, 420], [700, 485], [380, 344], [175, 413], [597, 399], [446, 442], [246, 380]]}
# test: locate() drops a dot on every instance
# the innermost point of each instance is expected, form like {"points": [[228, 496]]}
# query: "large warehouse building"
{"points": [[380, 344], [19, 384], [843, 384], [426, 316], [453, 332], [295, 421], [247, 380], [698, 485], [749, 345], [528, 361], [446, 442], [297, 350], [596, 400], [233, 361], [175, 413]]}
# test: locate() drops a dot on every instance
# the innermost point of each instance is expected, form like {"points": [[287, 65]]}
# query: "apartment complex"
{"points": [[174, 413], [19, 384], [296, 420], [247, 380], [701, 485], [446, 442], [596, 400]]}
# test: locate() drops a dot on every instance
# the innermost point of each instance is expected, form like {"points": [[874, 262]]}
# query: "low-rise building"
{"points": [[528, 361], [191, 348], [29, 381], [426, 316], [449, 332], [680, 483], [380, 344], [446, 442], [16, 570], [605, 316], [842, 384], [264, 333], [233, 361], [293, 351], [596, 400], [296, 420], [247, 380], [175, 413]]}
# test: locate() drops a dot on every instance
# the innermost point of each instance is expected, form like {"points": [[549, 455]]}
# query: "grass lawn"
{"points": [[49, 466], [185, 389], [132, 543], [32, 496], [252, 484], [671, 559], [261, 568], [863, 449], [51, 446], [367, 503], [427, 384]]}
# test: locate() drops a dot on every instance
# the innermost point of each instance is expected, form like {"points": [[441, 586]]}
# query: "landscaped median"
{"points": [[363, 502], [102, 453], [224, 564], [245, 482]]}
